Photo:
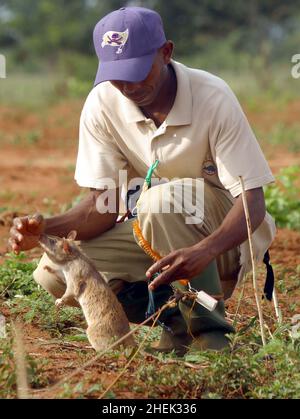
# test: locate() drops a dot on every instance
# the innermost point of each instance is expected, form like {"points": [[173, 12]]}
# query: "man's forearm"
{"points": [[84, 218], [233, 230]]}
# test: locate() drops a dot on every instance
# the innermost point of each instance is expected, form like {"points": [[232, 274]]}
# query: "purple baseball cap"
{"points": [[126, 42]]}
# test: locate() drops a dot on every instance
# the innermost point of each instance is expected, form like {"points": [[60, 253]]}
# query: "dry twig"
{"points": [[255, 287], [20, 362], [276, 306]]}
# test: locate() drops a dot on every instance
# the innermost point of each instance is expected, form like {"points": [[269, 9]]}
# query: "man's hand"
{"points": [[84, 218], [184, 263], [25, 232]]}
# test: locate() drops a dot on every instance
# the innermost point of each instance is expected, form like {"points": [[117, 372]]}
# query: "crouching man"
{"points": [[146, 107]]}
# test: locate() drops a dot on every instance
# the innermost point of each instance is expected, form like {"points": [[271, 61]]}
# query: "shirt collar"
{"points": [[181, 112]]}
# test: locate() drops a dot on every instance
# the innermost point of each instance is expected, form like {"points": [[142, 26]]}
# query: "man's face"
{"points": [[145, 92]]}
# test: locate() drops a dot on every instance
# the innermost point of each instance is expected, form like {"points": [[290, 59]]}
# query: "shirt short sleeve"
{"points": [[234, 146], [99, 159]]}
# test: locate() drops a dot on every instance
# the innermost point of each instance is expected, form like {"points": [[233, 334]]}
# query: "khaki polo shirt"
{"points": [[205, 135]]}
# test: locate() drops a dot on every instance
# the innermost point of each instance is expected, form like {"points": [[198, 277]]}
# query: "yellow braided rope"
{"points": [[146, 246]]}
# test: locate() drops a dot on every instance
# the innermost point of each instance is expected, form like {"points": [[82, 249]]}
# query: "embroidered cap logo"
{"points": [[115, 39]]}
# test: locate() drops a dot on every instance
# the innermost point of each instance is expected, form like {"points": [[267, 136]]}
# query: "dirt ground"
{"points": [[38, 154]]}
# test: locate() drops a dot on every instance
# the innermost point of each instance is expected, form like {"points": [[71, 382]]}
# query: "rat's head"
{"points": [[59, 250]]}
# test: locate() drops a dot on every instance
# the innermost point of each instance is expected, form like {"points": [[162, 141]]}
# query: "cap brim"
{"points": [[131, 70]]}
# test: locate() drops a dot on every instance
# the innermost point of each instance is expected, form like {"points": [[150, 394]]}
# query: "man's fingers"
{"points": [[153, 269], [166, 277], [161, 279], [161, 265], [19, 223], [16, 235], [14, 246], [35, 219], [29, 224]]}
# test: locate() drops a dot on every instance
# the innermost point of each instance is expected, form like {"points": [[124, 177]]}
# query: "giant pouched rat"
{"points": [[104, 314]]}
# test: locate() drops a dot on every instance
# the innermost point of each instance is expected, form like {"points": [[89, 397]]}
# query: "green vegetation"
{"points": [[260, 28], [33, 91], [16, 283], [29, 90], [248, 371], [283, 198], [248, 44], [245, 370]]}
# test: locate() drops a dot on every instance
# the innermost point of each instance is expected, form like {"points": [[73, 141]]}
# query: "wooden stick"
{"points": [[20, 362], [255, 287], [276, 306], [239, 304], [8, 287]]}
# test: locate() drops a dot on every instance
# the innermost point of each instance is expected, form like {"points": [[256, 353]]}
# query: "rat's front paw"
{"points": [[59, 302]]}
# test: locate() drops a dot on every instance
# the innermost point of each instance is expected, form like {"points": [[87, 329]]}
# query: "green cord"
{"points": [[150, 173], [151, 304]]}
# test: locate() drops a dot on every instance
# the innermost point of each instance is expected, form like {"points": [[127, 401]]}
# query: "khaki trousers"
{"points": [[122, 262]]}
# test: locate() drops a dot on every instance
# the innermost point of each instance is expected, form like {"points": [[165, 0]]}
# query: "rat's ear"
{"points": [[72, 235], [66, 246]]}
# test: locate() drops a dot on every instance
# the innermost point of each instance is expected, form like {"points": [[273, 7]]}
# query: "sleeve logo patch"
{"points": [[209, 168], [115, 39]]}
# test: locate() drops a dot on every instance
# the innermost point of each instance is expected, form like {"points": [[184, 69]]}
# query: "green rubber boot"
{"points": [[196, 329], [134, 299], [178, 339], [208, 329]]}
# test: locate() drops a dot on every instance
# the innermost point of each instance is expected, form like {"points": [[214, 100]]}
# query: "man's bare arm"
{"points": [[233, 230], [84, 218]]}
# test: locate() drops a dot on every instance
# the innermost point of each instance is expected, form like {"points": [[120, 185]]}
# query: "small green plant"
{"points": [[16, 276], [283, 198], [32, 137], [80, 391]]}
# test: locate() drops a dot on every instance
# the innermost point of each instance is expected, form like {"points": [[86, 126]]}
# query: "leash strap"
{"points": [[151, 306], [151, 303], [270, 279]]}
